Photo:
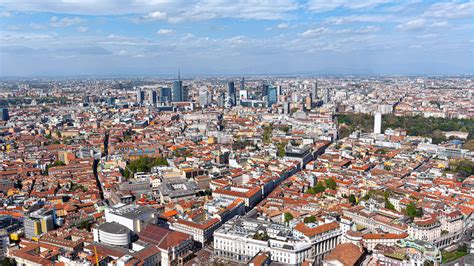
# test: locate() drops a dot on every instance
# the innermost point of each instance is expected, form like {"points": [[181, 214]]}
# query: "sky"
{"points": [[235, 37]]}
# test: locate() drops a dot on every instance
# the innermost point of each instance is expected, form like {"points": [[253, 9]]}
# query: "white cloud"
{"points": [[283, 26], [157, 15], [65, 22], [451, 9], [361, 18], [164, 31], [368, 29], [5, 14], [415, 24], [427, 36], [82, 29], [325, 5], [439, 24], [315, 32], [172, 10]]}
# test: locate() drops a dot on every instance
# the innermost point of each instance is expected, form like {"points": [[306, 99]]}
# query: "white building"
{"points": [[133, 217], [112, 234], [378, 123], [242, 238]]}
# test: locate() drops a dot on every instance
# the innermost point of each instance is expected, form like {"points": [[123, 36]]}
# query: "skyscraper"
{"points": [[140, 96], [221, 100], [272, 95], [186, 96], [378, 123], [165, 95], [203, 97], [242, 84], [177, 95], [231, 93], [314, 91], [264, 90], [4, 114], [152, 97], [327, 97]]}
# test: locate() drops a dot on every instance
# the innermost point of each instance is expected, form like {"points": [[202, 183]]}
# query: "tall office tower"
{"points": [[264, 90], [4, 114], [286, 107], [327, 97], [308, 102], [378, 123], [203, 97], [152, 97], [140, 96], [294, 97], [221, 100], [165, 95], [279, 90], [314, 91], [242, 84], [272, 96], [232, 94], [177, 95], [186, 96]]}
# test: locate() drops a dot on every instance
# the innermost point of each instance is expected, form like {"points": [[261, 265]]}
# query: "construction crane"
{"points": [[96, 256]]}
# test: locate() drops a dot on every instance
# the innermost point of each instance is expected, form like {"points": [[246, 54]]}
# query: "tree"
{"points": [[288, 217], [412, 211], [352, 199], [8, 262], [56, 163], [389, 205], [281, 149], [319, 187], [309, 219], [469, 144], [267, 134], [85, 225], [331, 184], [144, 165]]}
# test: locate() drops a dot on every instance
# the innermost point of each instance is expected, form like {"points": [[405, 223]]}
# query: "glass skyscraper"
{"points": [[165, 95], [272, 96], [232, 93], [177, 91]]}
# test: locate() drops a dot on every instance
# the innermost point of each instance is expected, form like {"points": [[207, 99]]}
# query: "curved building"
{"points": [[113, 234]]}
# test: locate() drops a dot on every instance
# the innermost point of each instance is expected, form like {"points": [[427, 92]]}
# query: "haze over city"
{"points": [[206, 37]]}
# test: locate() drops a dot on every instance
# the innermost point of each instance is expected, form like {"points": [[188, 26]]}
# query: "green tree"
{"points": [[352, 199], [144, 164], [8, 262], [56, 163], [281, 149], [267, 134], [412, 211], [309, 219], [319, 187], [389, 205], [330, 183], [288, 217]]}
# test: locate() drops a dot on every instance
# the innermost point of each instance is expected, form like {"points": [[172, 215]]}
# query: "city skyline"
{"points": [[101, 38]]}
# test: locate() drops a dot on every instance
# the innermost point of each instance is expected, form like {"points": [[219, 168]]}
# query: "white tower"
{"points": [[378, 123]]}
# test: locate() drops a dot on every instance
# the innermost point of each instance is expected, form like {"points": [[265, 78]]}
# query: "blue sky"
{"points": [[235, 37]]}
